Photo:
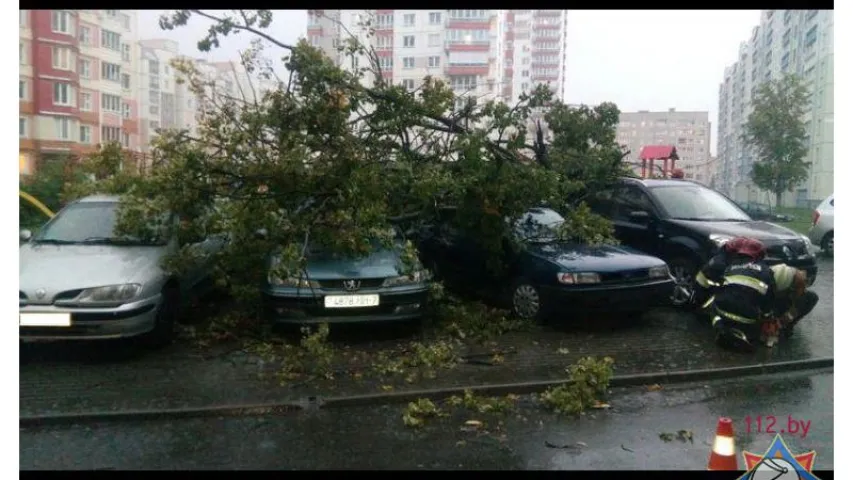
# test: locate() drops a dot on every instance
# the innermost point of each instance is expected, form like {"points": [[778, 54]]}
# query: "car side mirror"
{"points": [[25, 235], [640, 216]]}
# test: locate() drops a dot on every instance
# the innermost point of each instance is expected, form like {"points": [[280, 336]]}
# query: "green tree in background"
{"points": [[777, 133]]}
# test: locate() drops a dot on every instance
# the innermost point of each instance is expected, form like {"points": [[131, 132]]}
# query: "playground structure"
{"points": [[668, 154]]}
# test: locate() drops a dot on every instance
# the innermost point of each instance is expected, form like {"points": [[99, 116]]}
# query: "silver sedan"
{"points": [[80, 281]]}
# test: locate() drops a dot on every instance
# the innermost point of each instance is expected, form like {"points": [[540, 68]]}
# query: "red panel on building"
{"points": [[467, 70]]}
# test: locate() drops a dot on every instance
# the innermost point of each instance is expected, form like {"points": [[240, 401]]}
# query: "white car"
{"points": [[822, 232]]}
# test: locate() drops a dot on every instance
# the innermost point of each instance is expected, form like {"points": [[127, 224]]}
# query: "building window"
{"points": [[110, 134], [110, 103], [384, 42], [125, 21], [86, 102], [386, 63], [434, 39], [409, 84], [125, 110], [154, 83], [23, 18], [409, 41], [409, 20], [22, 127], [63, 128], [22, 53], [465, 82], [125, 81], [153, 97], [315, 40], [61, 22], [85, 67], [434, 61], [62, 58], [125, 52], [384, 21], [111, 13], [408, 62], [153, 125], [153, 67], [435, 18], [63, 94], [811, 37], [111, 40], [22, 89], [111, 72], [125, 139], [154, 110], [85, 35], [85, 134]]}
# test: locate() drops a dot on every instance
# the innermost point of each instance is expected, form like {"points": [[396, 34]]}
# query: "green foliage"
{"points": [[589, 379], [776, 131], [332, 158], [46, 185]]}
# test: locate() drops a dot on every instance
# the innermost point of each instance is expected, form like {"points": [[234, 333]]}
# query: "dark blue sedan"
{"points": [[547, 277]]}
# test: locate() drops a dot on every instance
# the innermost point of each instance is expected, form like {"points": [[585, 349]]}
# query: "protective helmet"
{"points": [[747, 247]]}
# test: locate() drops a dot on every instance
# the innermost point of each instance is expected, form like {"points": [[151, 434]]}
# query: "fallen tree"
{"points": [[334, 157]]}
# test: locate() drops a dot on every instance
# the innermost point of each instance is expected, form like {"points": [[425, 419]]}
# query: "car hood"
{"points": [[599, 259], [756, 229], [379, 264], [56, 268]]}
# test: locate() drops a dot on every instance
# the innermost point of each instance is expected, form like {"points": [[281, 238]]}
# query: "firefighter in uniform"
{"points": [[755, 301], [743, 306], [710, 277]]}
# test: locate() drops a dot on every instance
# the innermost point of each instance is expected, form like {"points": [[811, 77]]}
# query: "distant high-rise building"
{"points": [[785, 42], [76, 86], [688, 132], [483, 53]]}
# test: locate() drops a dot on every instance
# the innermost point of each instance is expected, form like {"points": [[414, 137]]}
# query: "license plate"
{"points": [[351, 301], [45, 320]]}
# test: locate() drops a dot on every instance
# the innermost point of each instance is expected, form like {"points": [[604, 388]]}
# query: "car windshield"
{"points": [[693, 202], [88, 223], [539, 226]]}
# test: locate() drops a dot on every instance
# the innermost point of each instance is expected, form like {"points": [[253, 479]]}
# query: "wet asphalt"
{"points": [[626, 436]]}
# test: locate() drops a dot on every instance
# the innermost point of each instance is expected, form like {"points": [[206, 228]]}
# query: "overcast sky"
{"points": [[638, 59]]}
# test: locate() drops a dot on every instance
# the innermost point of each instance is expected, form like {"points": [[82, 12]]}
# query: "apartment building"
{"points": [[534, 52], [689, 132], [76, 83], [785, 42], [486, 54]]}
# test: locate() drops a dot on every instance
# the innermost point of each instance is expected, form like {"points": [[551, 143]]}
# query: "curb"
{"points": [[387, 398]]}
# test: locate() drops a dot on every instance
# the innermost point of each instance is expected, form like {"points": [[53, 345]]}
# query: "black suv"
{"points": [[684, 223]]}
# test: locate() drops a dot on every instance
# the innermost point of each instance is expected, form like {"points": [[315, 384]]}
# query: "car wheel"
{"points": [[164, 326], [526, 301], [828, 244], [684, 271]]}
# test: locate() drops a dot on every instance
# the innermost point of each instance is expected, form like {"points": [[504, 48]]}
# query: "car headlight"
{"points": [[416, 276], [291, 282], [578, 278], [110, 294], [806, 240], [659, 272], [719, 240]]}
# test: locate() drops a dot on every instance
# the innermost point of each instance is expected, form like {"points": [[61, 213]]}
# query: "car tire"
{"points": [[684, 270], [167, 315], [827, 245], [526, 301]]}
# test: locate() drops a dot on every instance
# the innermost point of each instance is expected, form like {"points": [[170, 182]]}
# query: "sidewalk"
{"points": [[181, 378]]}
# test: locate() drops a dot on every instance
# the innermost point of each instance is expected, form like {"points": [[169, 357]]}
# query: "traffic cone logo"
{"points": [[723, 455]]}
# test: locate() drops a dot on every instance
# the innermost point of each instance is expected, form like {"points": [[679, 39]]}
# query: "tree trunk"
{"points": [[778, 199]]}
